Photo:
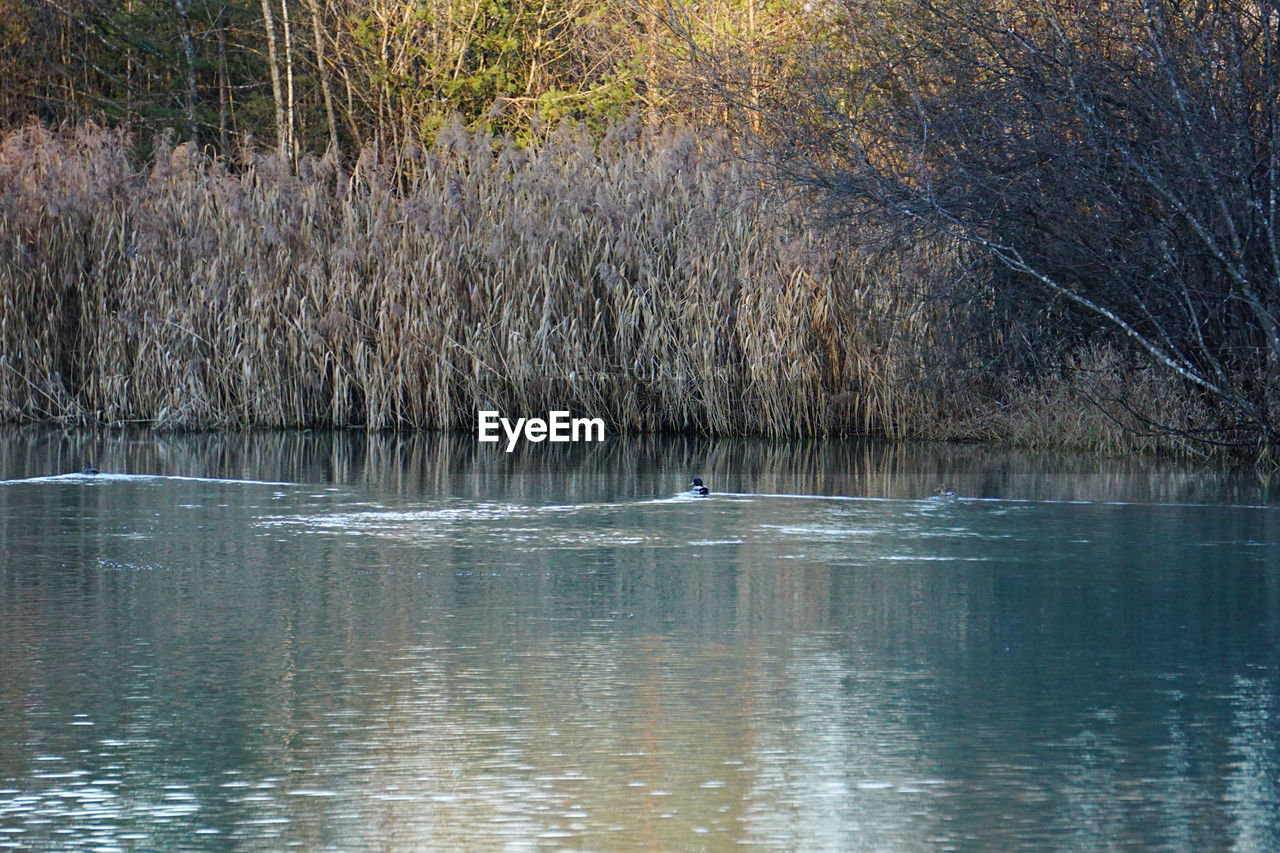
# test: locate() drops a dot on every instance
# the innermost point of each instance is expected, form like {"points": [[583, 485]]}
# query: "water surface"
{"points": [[336, 641]]}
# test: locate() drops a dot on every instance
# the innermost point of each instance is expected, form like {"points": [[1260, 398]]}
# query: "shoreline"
{"points": [[644, 281]]}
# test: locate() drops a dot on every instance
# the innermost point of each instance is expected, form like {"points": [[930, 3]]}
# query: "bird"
{"points": [[699, 489], [89, 470], [943, 492]]}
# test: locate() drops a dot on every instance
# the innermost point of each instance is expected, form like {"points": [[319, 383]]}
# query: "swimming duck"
{"points": [[89, 470], [699, 489], [943, 492]]}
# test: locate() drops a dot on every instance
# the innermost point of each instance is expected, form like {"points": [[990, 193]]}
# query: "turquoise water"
{"points": [[343, 642]]}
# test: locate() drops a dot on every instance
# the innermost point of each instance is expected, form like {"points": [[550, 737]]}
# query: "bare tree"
{"points": [[183, 10], [1118, 163], [322, 65], [277, 88], [291, 132]]}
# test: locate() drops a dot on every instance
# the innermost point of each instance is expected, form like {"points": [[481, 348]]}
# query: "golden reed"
{"points": [[642, 278]]}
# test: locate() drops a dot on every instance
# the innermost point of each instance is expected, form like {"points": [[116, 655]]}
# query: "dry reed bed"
{"points": [[642, 278]]}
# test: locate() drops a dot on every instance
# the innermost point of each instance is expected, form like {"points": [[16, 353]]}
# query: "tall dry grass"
{"points": [[643, 278], [1098, 400]]}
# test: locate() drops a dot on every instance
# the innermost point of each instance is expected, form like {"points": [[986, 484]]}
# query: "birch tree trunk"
{"points": [[183, 8], [325, 90], [277, 90], [291, 131]]}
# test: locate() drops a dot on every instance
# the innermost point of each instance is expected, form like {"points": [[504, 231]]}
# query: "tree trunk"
{"points": [[291, 130], [277, 90], [324, 80], [224, 90], [183, 8]]}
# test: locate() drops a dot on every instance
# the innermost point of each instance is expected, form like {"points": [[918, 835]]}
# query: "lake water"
{"points": [[336, 641]]}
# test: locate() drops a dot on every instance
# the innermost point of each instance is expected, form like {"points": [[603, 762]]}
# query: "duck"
{"points": [[89, 470], [943, 492], [698, 489]]}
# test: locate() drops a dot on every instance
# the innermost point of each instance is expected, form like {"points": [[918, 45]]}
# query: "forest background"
{"points": [[1050, 223]]}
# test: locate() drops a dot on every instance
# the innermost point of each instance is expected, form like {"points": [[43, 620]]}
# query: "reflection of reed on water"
{"points": [[623, 466]]}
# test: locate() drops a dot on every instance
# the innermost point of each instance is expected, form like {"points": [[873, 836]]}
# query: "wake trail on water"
{"points": [[680, 498], [937, 500], [136, 478]]}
